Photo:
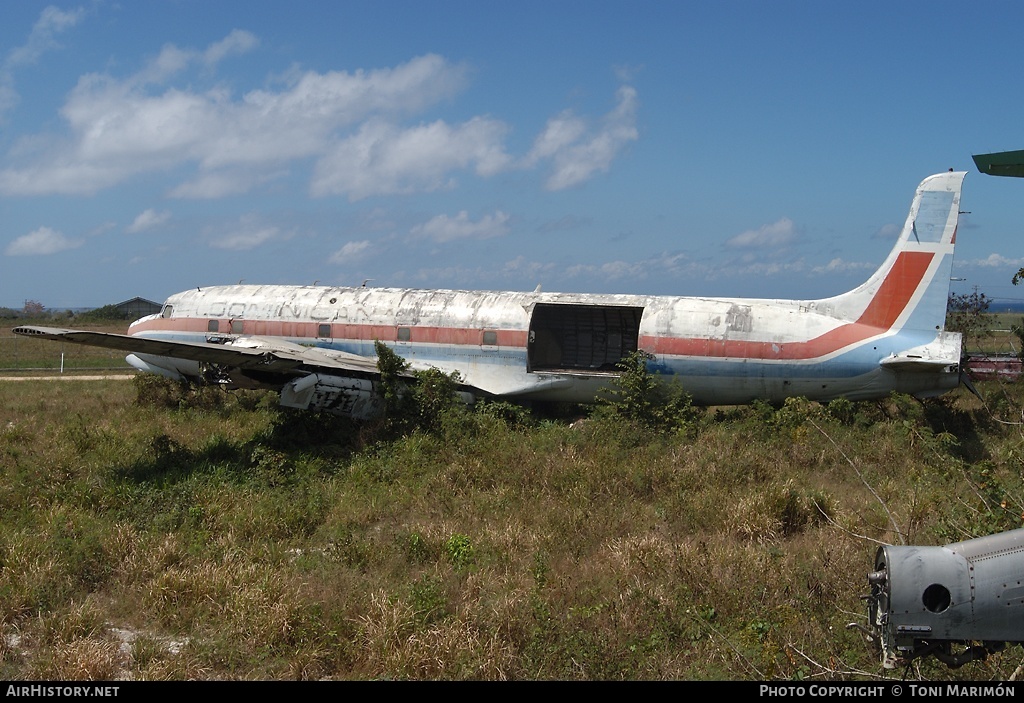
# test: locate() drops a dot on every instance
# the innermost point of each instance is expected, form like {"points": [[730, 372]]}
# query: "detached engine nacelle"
{"points": [[357, 398], [959, 602], [352, 397]]}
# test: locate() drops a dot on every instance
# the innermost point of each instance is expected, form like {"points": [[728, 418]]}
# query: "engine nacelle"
{"points": [[357, 398], [339, 395], [959, 602]]}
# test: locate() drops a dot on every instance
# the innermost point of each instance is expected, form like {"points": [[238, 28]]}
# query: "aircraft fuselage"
{"points": [[565, 347]]}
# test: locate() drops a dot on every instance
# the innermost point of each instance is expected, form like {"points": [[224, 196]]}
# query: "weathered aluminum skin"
{"points": [[969, 590]]}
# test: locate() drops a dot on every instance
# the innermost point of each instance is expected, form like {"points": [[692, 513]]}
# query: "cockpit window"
{"points": [[166, 311]]}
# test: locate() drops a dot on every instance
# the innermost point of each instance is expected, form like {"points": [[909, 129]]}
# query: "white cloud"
{"points": [[619, 270], [559, 133], [40, 242], [485, 276], [52, 21], [148, 219], [520, 267], [173, 59], [238, 42], [890, 231], [102, 228], [351, 250], [121, 128], [838, 265], [667, 264], [769, 268], [384, 159], [774, 235], [212, 185], [249, 234], [577, 155], [994, 261], [349, 125], [446, 229]]}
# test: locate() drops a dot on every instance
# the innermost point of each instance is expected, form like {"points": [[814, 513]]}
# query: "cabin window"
{"points": [[236, 327], [167, 310], [323, 331], [490, 338], [404, 334], [212, 326]]}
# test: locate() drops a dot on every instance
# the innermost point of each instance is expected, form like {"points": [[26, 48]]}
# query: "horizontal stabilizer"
{"points": [[921, 364]]}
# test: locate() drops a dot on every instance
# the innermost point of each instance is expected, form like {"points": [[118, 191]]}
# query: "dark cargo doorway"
{"points": [[567, 337]]}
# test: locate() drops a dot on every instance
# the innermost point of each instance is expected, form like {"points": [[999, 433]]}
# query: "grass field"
{"points": [[19, 354], [147, 533], [1001, 339], [150, 533]]}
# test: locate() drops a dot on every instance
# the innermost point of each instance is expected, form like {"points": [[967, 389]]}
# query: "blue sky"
{"points": [[758, 149]]}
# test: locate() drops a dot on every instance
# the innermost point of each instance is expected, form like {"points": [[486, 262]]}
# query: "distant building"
{"points": [[137, 307]]}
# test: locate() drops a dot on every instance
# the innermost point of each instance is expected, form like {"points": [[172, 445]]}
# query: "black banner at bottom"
{"points": [[887, 689]]}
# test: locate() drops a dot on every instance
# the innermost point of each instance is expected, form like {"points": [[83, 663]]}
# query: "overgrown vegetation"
{"points": [[1018, 332], [966, 313], [107, 313], [151, 531]]}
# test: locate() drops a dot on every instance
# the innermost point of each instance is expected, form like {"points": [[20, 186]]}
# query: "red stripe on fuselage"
{"points": [[455, 336], [885, 307]]}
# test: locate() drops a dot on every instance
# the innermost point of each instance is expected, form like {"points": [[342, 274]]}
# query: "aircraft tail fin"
{"points": [[911, 288]]}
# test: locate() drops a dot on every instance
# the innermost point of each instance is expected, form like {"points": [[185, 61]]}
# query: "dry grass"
{"points": [[222, 539]]}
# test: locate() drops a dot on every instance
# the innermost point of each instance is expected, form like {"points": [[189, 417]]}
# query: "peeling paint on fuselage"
{"points": [[446, 327]]}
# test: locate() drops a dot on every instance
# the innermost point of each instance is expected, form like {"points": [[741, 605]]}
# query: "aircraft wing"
{"points": [[1001, 163], [246, 353], [269, 355]]}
